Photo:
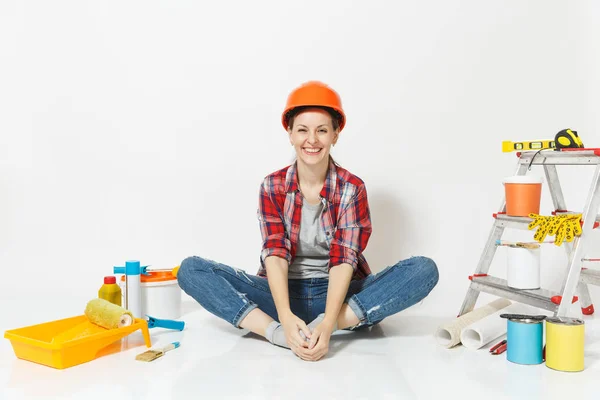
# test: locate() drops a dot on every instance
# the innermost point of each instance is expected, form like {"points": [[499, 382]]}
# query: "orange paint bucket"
{"points": [[523, 194]]}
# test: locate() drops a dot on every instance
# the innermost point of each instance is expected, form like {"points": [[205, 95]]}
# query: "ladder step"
{"points": [[508, 221], [540, 298], [579, 157], [590, 276]]}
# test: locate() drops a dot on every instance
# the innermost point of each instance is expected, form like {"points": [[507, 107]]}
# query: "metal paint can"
{"points": [[523, 268], [564, 344], [525, 341]]}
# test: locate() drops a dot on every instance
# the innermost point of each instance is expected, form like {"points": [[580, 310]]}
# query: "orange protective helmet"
{"points": [[314, 93]]}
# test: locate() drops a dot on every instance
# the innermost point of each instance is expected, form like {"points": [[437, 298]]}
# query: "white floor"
{"points": [[399, 359]]}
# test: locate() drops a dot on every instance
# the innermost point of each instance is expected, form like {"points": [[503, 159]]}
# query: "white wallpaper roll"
{"points": [[448, 335], [482, 332]]}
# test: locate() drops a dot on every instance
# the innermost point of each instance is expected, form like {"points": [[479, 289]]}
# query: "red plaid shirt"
{"points": [[346, 218]]}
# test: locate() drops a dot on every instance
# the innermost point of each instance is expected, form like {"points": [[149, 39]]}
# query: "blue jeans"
{"points": [[230, 293]]}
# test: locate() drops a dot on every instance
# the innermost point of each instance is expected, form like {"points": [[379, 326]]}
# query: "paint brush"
{"points": [[523, 245], [152, 355]]}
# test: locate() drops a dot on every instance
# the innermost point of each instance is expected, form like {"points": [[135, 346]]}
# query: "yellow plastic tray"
{"points": [[71, 341]]}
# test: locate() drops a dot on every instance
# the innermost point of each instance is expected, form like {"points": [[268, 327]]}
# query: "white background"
{"points": [[142, 129]]}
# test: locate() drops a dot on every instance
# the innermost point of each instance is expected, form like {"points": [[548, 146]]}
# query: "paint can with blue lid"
{"points": [[525, 337]]}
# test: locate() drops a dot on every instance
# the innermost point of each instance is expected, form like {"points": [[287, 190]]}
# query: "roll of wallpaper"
{"points": [[490, 328], [448, 335]]}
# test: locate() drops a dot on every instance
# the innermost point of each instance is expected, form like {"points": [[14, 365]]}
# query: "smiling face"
{"points": [[312, 133]]}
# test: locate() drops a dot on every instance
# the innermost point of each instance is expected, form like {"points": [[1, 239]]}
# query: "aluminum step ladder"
{"points": [[576, 278]]}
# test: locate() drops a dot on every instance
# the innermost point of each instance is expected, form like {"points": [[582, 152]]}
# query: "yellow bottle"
{"points": [[110, 291]]}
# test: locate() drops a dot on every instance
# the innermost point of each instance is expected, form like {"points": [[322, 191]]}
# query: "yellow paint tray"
{"points": [[71, 341]]}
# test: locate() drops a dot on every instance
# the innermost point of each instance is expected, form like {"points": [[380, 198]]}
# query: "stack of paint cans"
{"points": [[564, 341]]}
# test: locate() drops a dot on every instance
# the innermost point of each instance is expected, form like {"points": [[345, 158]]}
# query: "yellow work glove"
{"points": [[544, 226], [568, 229], [564, 226], [556, 223]]}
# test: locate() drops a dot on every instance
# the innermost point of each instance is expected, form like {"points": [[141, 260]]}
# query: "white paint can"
{"points": [[523, 268], [161, 295]]}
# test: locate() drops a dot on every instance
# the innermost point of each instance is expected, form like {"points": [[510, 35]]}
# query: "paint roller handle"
{"points": [[123, 270], [165, 323], [131, 268]]}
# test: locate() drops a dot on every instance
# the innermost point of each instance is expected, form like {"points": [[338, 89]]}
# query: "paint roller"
{"points": [[101, 315], [107, 315]]}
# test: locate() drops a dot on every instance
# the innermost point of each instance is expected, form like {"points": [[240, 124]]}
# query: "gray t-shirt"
{"points": [[312, 251]]}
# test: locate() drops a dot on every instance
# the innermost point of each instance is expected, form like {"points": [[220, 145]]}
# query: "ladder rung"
{"points": [[590, 276], [540, 298], [551, 157], [508, 221]]}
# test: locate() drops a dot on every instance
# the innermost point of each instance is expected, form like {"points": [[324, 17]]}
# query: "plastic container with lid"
{"points": [[161, 294], [523, 194], [110, 291], [565, 343]]}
